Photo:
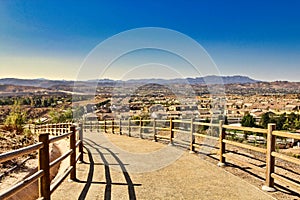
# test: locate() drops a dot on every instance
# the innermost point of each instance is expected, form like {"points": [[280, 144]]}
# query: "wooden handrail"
{"points": [[43, 173], [254, 130], [287, 134], [245, 146], [19, 186], [286, 181], [61, 158], [161, 128], [180, 131], [57, 138], [286, 158], [181, 121], [20, 152], [205, 136]]}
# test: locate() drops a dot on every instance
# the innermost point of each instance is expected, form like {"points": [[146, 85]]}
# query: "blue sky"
{"points": [[50, 39]]}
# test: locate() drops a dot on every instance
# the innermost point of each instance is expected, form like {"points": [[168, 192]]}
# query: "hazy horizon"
{"points": [[41, 78]]}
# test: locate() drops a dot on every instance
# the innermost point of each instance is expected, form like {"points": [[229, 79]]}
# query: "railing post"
{"points": [[222, 160], [105, 128], [270, 160], [73, 155], [44, 164], [60, 128], [47, 128], [171, 131], [154, 130], [113, 126], [120, 127], [81, 144], [141, 129], [55, 129], [129, 134], [192, 148]]}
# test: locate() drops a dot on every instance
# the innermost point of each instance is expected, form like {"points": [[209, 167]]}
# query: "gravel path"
{"points": [[120, 167]]}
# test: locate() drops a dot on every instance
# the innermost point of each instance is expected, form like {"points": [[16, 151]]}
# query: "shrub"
{"points": [[15, 120]]}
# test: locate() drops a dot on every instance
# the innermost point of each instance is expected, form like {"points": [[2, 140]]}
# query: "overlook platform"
{"points": [[120, 167]]}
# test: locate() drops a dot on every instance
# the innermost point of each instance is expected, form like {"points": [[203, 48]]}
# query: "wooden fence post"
{"points": [[55, 129], [81, 144], [120, 127], [47, 128], [105, 128], [270, 160], [73, 155], [60, 128], [129, 134], [154, 130], [171, 131], [141, 129], [44, 164], [222, 161], [192, 148]]}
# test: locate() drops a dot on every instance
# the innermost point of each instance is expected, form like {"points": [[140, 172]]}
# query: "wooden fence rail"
{"points": [[52, 129], [168, 129], [44, 164]]}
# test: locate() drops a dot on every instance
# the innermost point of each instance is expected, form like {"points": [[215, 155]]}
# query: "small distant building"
{"points": [[90, 117]]}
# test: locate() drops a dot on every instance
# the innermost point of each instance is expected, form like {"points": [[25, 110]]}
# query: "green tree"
{"points": [[68, 115], [280, 121], [265, 119], [297, 124], [286, 125], [55, 116], [61, 117], [16, 119], [292, 117], [248, 121]]}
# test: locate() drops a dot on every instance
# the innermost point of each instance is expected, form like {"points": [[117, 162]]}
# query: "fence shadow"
{"points": [[89, 144]]}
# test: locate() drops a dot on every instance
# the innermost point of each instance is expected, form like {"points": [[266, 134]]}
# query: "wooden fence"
{"points": [[52, 129], [46, 188], [191, 127]]}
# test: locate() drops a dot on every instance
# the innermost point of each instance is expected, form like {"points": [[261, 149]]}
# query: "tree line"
{"points": [[290, 122], [35, 101]]}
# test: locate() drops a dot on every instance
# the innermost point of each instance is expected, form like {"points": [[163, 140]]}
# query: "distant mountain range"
{"points": [[226, 80], [44, 83]]}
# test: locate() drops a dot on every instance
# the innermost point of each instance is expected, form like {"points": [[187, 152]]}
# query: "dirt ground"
{"points": [[112, 170]]}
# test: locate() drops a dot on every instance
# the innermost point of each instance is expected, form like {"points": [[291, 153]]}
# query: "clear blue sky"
{"points": [[50, 39]]}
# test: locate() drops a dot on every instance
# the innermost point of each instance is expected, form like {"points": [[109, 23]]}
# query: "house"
{"points": [[90, 117]]}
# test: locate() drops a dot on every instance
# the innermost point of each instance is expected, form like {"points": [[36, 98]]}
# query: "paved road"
{"points": [[119, 167]]}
